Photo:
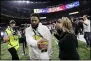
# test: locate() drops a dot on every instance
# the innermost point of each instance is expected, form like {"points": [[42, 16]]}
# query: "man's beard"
{"points": [[34, 26]]}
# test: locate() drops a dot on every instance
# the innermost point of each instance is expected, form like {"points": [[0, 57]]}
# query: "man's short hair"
{"points": [[12, 22], [35, 15]]}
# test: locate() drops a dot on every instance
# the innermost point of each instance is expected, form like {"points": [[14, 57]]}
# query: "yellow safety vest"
{"points": [[13, 40]]}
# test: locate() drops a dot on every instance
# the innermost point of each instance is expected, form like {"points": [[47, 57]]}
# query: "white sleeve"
{"points": [[49, 38], [87, 23], [29, 39]]}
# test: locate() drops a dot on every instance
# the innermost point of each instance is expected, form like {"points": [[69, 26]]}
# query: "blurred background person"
{"points": [[86, 25], [80, 27]]}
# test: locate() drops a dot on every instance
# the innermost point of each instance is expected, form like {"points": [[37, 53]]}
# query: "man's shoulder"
{"points": [[44, 27], [28, 28]]}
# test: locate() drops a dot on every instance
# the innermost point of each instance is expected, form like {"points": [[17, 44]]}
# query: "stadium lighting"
{"points": [[19, 1], [73, 13], [31, 2], [42, 17], [2, 33], [27, 1], [23, 1], [36, 2]]}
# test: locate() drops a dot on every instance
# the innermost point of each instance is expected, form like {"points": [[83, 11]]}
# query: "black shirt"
{"points": [[67, 46]]}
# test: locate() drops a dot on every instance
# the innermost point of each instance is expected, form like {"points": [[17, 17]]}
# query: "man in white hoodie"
{"points": [[39, 39]]}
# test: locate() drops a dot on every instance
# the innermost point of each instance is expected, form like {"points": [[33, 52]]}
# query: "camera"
{"points": [[14, 31]]}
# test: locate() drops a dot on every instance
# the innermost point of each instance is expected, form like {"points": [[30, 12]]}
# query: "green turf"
{"points": [[82, 50]]}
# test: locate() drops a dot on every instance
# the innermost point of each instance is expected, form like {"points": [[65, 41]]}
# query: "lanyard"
{"points": [[38, 33]]}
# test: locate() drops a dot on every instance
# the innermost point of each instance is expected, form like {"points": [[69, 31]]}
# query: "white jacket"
{"points": [[34, 52]]}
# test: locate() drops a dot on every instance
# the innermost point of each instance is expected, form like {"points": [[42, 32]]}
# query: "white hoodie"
{"points": [[34, 52]]}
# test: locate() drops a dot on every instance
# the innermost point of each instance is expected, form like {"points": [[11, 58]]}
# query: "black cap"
{"points": [[12, 22]]}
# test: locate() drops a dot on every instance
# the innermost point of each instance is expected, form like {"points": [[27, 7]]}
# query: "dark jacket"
{"points": [[67, 46]]}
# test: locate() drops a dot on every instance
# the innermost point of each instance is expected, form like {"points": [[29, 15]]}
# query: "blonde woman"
{"points": [[67, 40]]}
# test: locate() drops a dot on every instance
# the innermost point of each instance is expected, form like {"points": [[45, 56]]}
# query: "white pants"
{"points": [[42, 57]]}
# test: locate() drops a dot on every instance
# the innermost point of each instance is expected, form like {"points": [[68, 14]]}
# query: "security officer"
{"points": [[12, 39]]}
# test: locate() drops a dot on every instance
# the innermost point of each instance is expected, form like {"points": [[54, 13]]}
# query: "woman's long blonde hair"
{"points": [[66, 25]]}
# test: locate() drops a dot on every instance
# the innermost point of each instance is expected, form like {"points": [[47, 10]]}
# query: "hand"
{"points": [[42, 44], [38, 43], [6, 39]]}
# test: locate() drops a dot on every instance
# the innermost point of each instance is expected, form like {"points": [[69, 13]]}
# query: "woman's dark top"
{"points": [[67, 46]]}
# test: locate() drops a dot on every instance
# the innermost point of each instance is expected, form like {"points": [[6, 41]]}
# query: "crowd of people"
{"points": [[38, 38]]}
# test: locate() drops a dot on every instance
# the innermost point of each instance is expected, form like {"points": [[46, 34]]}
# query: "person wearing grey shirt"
{"points": [[86, 26]]}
